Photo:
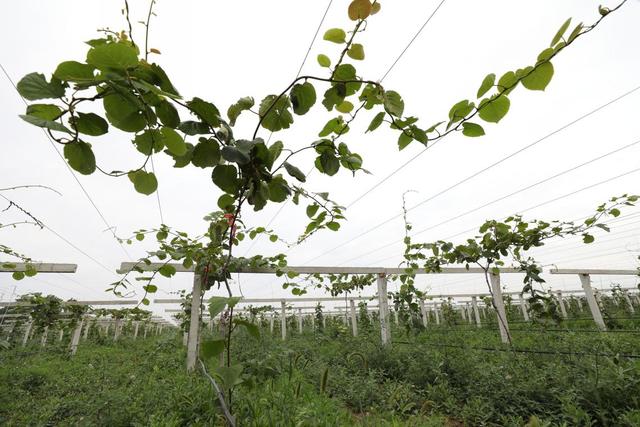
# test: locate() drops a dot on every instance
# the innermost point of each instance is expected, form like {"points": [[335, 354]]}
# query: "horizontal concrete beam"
{"points": [[111, 302], [595, 272], [40, 267]]}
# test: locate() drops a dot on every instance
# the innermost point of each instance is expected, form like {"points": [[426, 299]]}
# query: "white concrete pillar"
{"points": [[194, 324], [629, 303], [271, 324], [146, 329], [43, 338], [283, 319], [463, 313], [423, 313], [563, 309], [354, 322], [436, 311], [27, 332], [383, 307], [523, 308], [395, 317], [136, 325], [579, 299], [185, 338], [300, 320], [116, 330], [503, 324], [476, 312], [60, 335], [75, 338], [585, 280], [85, 335]]}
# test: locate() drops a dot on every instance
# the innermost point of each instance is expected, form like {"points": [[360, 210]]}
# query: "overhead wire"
{"points": [[470, 177], [84, 191]]}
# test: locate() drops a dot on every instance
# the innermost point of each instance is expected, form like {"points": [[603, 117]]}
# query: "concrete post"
{"points": [[75, 339], [585, 280], [476, 312], [43, 339], [194, 324], [496, 290], [146, 329], [300, 321], [271, 324], [423, 311], [383, 307], [283, 319], [579, 299], [116, 330], [629, 303], [436, 312], [563, 309], [185, 338], [27, 332], [136, 325], [463, 313], [85, 335], [60, 335], [395, 317], [523, 308], [354, 322]]}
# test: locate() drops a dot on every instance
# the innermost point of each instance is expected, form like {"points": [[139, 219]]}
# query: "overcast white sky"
{"points": [[221, 51]]}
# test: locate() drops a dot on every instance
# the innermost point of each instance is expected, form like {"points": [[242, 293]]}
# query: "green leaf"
{"points": [[393, 103], [333, 226], [91, 124], [173, 141], [335, 125], [278, 189], [356, 51], [225, 201], [206, 153], [17, 275], [185, 159], [334, 96], [404, 140], [168, 114], [80, 157], [144, 182], [486, 84], [34, 86], [217, 305], [345, 107], [303, 96], [193, 128], [347, 72], [251, 327], [539, 77], [207, 112], [74, 71], [241, 105], [494, 111], [376, 122], [560, 32], [507, 82], [167, 270], [124, 113], [152, 289], [47, 112], [460, 110], [295, 172], [328, 163], [472, 129], [274, 152], [359, 9], [212, 348], [275, 113], [48, 124], [234, 155], [113, 55], [312, 210], [575, 33], [229, 375], [588, 238], [151, 140], [324, 61], [226, 178], [335, 35]]}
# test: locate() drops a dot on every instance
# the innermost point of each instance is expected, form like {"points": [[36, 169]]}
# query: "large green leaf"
{"points": [[539, 77], [168, 114], [486, 84], [124, 113], [335, 35], [80, 157], [44, 111], [173, 141], [207, 112], [393, 103], [324, 60], [74, 71], [336, 125], [206, 153], [193, 128], [495, 110], [560, 32], [151, 140], [303, 96], [235, 155], [48, 124], [376, 122], [472, 129], [91, 124], [34, 86], [243, 104], [212, 348], [403, 140], [356, 51], [226, 178], [229, 375], [295, 172], [275, 113], [328, 162], [113, 55], [278, 189], [185, 159], [144, 182]]}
